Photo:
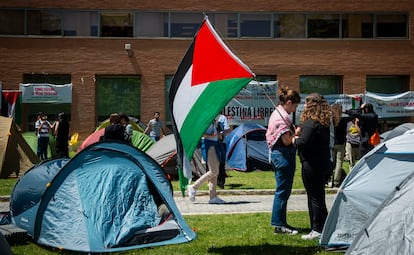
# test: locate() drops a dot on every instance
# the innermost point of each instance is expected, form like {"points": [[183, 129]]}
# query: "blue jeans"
{"points": [[283, 161], [43, 143]]}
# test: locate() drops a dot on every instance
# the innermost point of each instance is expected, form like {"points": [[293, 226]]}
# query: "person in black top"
{"points": [[314, 152], [61, 132], [369, 124], [115, 130]]}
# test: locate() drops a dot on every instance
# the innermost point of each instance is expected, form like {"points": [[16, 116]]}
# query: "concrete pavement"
{"points": [[244, 202], [237, 201]]}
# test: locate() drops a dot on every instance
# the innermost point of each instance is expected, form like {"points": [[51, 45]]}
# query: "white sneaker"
{"points": [[216, 200], [191, 192], [312, 235]]}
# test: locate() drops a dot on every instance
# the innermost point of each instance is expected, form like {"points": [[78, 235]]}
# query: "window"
{"points": [[255, 25], [44, 22], [225, 24], [116, 24], [289, 25], [388, 84], [392, 25], [80, 23], [151, 24], [185, 24], [51, 110], [324, 85], [357, 26], [118, 94], [12, 22], [323, 26]]}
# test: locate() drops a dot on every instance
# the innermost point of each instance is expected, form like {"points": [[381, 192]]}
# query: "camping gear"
{"points": [[365, 188], [110, 197], [390, 230], [247, 149], [16, 156], [165, 153], [398, 130], [138, 139]]}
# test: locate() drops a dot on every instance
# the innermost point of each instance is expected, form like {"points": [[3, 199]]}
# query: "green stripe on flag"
{"points": [[211, 101]]}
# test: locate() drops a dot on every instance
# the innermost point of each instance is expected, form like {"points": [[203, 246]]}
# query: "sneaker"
{"points": [[312, 235], [216, 200], [288, 230], [191, 192]]}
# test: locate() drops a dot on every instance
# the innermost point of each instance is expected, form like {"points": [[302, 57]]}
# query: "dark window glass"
{"points": [[323, 26], [118, 94], [185, 24], [324, 85], [289, 25], [255, 25], [392, 25], [44, 22], [388, 84], [116, 24], [225, 24], [11, 22], [151, 24], [357, 26], [80, 23]]}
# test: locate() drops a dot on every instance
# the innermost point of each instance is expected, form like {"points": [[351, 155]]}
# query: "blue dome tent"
{"points": [[247, 149], [110, 197]]}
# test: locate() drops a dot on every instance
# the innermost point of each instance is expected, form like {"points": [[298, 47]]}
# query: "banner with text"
{"points": [[46, 93], [254, 103]]}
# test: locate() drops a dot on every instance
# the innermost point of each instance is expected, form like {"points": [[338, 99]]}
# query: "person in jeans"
{"points": [[210, 148], [282, 155]]}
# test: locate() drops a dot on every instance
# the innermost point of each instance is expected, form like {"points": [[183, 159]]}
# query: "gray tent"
{"points": [[390, 230], [366, 187], [398, 130]]}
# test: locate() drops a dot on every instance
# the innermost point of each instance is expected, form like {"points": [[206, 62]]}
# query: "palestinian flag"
{"points": [[209, 76]]}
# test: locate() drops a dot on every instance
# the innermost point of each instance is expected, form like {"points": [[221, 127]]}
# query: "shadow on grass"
{"points": [[236, 186], [265, 249]]}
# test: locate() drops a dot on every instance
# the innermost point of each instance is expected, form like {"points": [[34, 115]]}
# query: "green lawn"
{"points": [[248, 234], [222, 234]]}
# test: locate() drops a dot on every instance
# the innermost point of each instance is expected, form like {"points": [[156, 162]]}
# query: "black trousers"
{"points": [[314, 182]]}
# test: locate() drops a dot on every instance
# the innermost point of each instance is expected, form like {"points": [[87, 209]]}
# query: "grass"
{"points": [[241, 234], [222, 234]]}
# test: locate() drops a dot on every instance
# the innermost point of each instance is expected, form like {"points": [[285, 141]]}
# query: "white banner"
{"points": [[46, 93], [388, 106], [254, 103]]}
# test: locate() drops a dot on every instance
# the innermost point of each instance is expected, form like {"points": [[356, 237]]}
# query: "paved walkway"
{"points": [[237, 201]]}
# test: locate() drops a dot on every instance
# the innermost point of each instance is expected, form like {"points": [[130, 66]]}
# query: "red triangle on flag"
{"points": [[213, 61]]}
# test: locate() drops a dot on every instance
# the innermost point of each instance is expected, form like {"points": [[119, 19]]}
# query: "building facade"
{"points": [[120, 56]]}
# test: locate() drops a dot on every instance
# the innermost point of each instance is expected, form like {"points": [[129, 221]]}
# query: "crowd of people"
{"points": [[325, 137]]}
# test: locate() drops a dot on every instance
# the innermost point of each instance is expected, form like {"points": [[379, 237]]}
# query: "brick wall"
{"points": [[84, 58]]}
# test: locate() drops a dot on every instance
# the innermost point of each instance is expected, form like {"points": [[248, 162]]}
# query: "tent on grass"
{"points": [[390, 230], [110, 197], [164, 151], [16, 156], [247, 149], [366, 187], [138, 139], [398, 130]]}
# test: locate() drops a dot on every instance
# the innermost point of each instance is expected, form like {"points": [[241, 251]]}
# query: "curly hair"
{"points": [[318, 109], [336, 113]]}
